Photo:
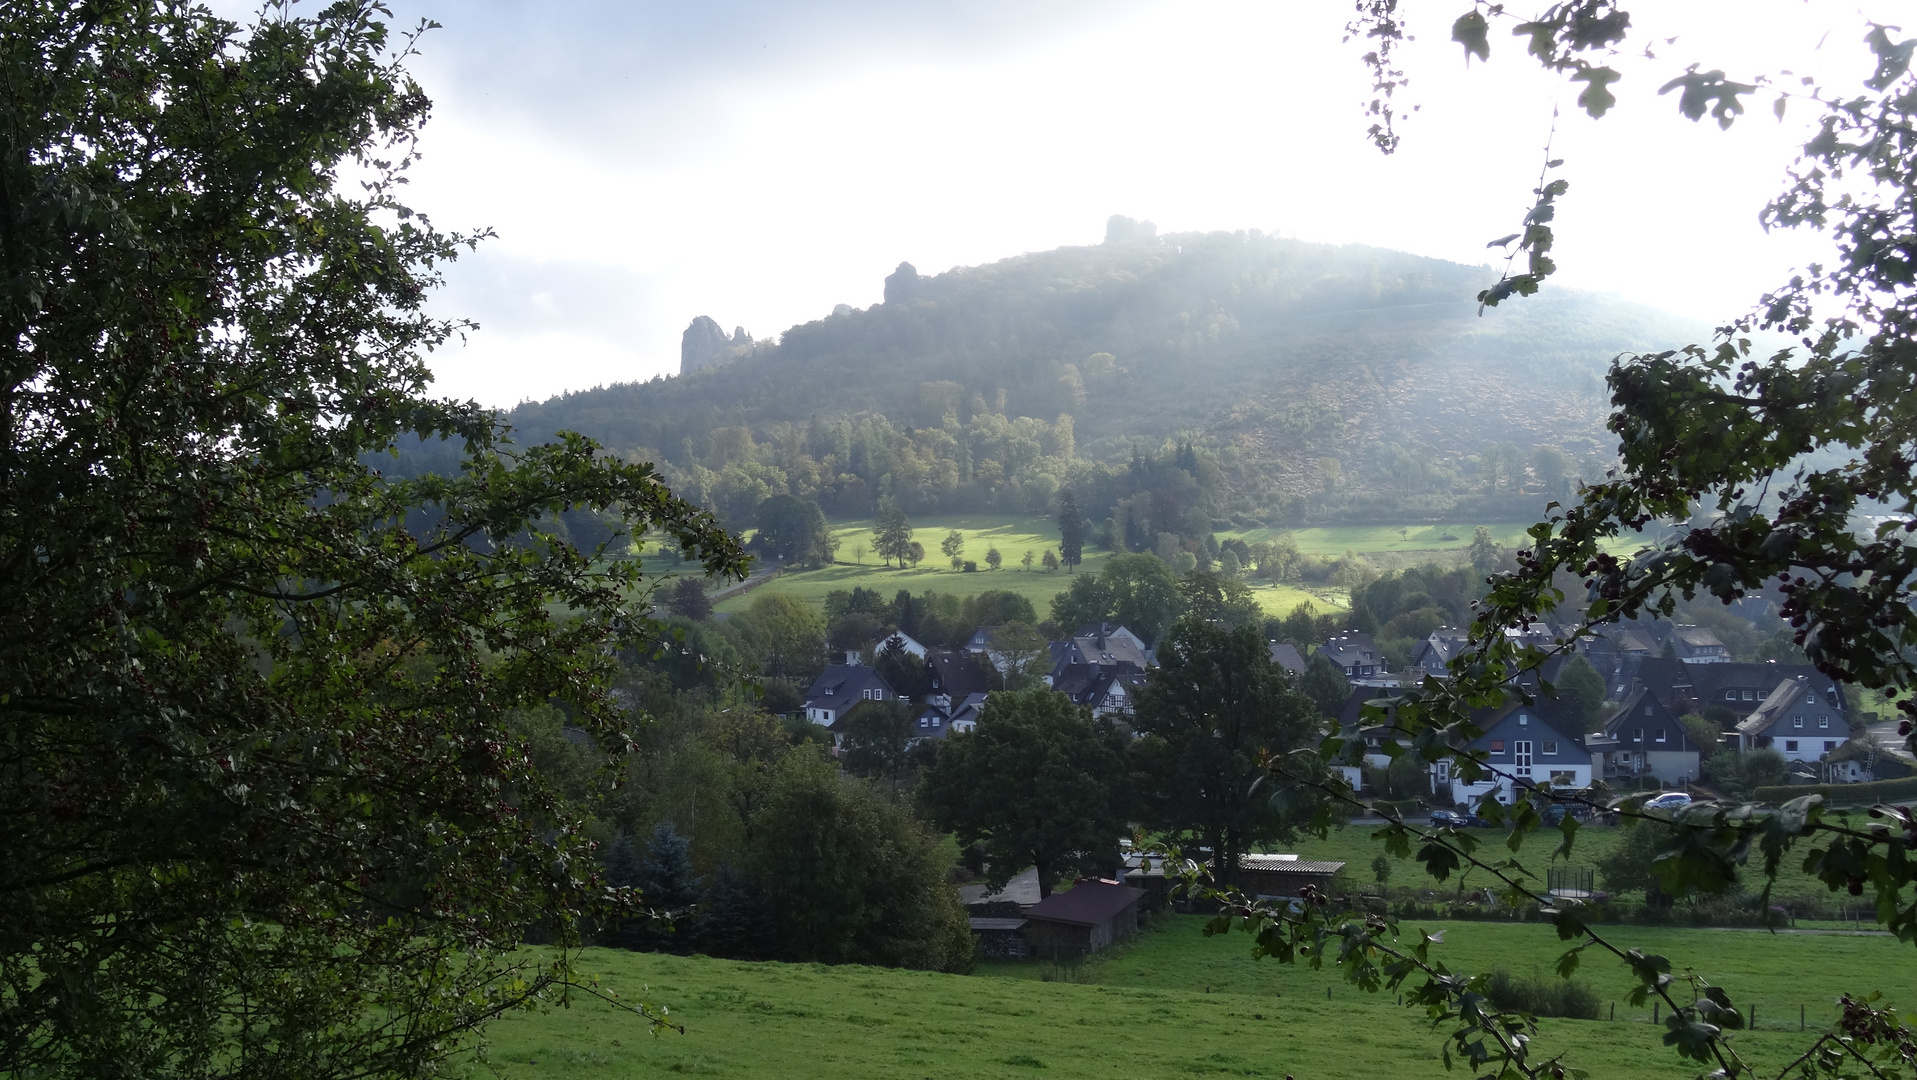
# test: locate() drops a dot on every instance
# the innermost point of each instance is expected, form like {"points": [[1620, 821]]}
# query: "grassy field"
{"points": [[1171, 1003], [1354, 846], [1012, 536]]}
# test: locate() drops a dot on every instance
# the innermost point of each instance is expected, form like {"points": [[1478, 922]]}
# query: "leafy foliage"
{"points": [[1038, 783], [269, 812]]}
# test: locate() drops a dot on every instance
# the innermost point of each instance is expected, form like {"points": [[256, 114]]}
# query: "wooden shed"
{"points": [[1088, 917], [1284, 875]]}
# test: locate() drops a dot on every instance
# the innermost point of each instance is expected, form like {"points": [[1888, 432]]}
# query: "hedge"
{"points": [[1847, 794]]}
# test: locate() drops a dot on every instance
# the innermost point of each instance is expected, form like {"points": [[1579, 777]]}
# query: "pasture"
{"points": [[858, 567], [1169, 1003]]}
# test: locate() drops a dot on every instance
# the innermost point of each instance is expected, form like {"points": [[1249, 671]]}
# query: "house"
{"points": [[1285, 655], [1089, 916], [1696, 645], [841, 686], [1743, 687], [1522, 746], [1284, 876], [1796, 721], [902, 639], [1104, 688], [1358, 657], [1106, 645], [964, 715], [932, 721], [954, 676], [1434, 653], [1642, 737], [1114, 631], [1353, 726]]}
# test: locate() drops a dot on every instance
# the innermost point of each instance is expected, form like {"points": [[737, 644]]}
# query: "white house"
{"points": [[1796, 722]]}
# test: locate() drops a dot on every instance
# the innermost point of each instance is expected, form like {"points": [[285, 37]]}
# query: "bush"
{"points": [[1542, 997], [1848, 794]]}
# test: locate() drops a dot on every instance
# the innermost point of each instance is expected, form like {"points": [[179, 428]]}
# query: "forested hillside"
{"points": [[1236, 376]]}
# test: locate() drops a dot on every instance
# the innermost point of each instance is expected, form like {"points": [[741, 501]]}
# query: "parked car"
{"points": [[1669, 800], [1443, 818]]}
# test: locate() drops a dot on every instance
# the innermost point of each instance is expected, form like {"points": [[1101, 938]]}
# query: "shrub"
{"points": [[1542, 997], [1847, 794]]}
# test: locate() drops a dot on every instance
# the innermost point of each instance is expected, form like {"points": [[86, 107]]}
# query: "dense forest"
{"points": [[1249, 378]]}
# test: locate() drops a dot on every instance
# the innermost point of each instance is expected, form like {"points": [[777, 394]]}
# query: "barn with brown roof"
{"points": [[1085, 918]]}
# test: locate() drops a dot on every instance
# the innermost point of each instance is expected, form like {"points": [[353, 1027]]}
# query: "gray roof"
{"points": [[842, 683], [1289, 864], [1021, 890], [998, 924], [1285, 655]]}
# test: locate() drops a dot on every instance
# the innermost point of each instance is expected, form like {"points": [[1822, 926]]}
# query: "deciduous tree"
{"points": [[254, 688], [1038, 783]]}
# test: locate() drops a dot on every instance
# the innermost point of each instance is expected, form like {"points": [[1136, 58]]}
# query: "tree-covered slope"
{"points": [[1315, 383]]}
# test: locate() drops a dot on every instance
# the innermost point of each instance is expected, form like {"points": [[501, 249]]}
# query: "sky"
{"points": [[643, 163]]}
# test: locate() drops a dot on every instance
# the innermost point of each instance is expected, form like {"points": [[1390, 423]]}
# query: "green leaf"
{"points": [[1472, 32], [1596, 98]]}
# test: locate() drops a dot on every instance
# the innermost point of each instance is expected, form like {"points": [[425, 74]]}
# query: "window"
{"points": [[1647, 710], [1497, 746], [1521, 750], [1748, 696], [1790, 745], [1563, 778], [1823, 721], [1660, 734], [925, 721], [1730, 695], [829, 690], [1551, 746], [1523, 719], [1829, 745], [936, 719], [1763, 694], [1797, 721], [1639, 736]]}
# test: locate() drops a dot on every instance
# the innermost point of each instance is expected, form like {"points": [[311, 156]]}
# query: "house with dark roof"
{"points": [[1106, 689], [1285, 655], [1522, 746], [1642, 737], [1796, 721], [954, 676], [1089, 916], [1357, 655], [1743, 687], [841, 686], [1436, 650], [1107, 645]]}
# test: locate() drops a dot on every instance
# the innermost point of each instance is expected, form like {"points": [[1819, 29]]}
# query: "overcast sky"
{"points": [[644, 162]]}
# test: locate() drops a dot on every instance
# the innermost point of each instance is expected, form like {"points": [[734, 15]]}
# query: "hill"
{"points": [[1245, 378]]}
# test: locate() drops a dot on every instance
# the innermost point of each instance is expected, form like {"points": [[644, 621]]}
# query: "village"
{"points": [[1657, 675]]}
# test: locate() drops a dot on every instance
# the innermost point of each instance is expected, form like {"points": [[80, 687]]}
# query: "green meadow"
{"points": [[1170, 1003], [858, 567]]}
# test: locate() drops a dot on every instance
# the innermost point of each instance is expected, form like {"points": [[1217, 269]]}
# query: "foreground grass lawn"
{"points": [[1171, 1004]]}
